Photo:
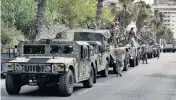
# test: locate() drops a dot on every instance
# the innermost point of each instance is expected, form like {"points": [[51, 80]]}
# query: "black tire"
{"points": [[104, 73], [125, 66], [66, 82], [89, 83], [114, 69], [164, 51], [95, 75], [13, 84], [137, 61], [132, 63]]}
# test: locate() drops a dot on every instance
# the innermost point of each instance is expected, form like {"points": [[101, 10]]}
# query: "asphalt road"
{"points": [[153, 81]]}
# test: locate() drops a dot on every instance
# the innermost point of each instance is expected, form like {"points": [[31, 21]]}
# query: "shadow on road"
{"points": [[52, 91]]}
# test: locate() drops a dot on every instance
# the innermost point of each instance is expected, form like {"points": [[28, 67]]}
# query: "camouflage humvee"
{"points": [[149, 51], [134, 52], [154, 50], [98, 39], [100, 57], [44, 62]]}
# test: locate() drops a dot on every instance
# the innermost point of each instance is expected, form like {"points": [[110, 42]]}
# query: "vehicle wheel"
{"points": [[104, 73], [125, 66], [66, 82], [114, 69], [12, 83], [95, 75], [148, 56], [164, 51], [151, 55], [89, 83], [2, 76], [132, 63], [137, 61]]}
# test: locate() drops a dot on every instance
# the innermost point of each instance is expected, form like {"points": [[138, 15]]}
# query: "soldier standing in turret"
{"points": [[144, 54], [131, 34], [93, 25]]}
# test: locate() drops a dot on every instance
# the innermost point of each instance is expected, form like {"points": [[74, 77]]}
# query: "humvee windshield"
{"points": [[34, 49], [87, 36], [64, 49]]}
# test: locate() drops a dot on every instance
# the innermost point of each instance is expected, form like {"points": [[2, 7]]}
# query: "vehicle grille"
{"points": [[33, 68]]}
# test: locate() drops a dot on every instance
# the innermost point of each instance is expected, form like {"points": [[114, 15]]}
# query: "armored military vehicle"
{"points": [[169, 46], [101, 57], [44, 62], [98, 39], [134, 52]]}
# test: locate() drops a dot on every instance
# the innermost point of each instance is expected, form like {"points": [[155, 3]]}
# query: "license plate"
{"points": [[32, 82]]}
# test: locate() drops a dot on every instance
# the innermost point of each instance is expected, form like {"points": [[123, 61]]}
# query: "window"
{"points": [[89, 51], [55, 49], [82, 52], [85, 53], [34, 49], [67, 49]]}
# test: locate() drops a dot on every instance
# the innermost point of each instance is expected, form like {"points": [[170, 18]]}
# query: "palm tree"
{"points": [[40, 17], [144, 15], [159, 28], [99, 11]]}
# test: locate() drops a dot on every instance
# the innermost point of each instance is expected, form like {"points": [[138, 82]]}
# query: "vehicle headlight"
{"points": [[58, 67], [18, 68], [47, 68]]}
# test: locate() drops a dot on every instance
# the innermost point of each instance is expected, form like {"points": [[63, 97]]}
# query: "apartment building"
{"points": [[168, 8]]}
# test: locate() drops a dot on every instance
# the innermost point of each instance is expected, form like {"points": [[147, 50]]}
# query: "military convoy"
{"points": [[61, 63]]}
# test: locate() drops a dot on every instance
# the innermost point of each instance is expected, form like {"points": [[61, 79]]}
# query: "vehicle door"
{"points": [[83, 65]]}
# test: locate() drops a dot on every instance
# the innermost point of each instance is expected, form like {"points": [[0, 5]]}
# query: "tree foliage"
{"points": [[20, 15]]}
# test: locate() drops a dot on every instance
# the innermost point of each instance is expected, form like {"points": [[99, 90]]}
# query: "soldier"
{"points": [[119, 61], [158, 51], [144, 54], [93, 25], [131, 34]]}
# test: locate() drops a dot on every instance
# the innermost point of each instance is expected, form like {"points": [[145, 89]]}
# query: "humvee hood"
{"points": [[43, 60]]}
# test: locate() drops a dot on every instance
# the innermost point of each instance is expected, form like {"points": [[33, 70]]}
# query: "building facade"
{"points": [[168, 8]]}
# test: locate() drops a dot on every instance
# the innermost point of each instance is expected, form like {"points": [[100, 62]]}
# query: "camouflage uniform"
{"points": [[119, 61], [158, 52], [92, 25], [144, 54]]}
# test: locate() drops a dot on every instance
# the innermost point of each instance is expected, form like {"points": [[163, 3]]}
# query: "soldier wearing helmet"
{"points": [[144, 54]]}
